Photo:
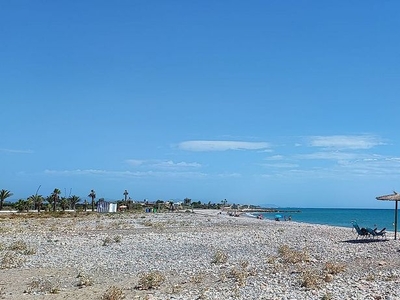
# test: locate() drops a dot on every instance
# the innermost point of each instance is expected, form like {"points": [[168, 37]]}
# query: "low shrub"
{"points": [[18, 246], [150, 280], [220, 257], [117, 238], [107, 241], [310, 279], [11, 260], [197, 278], [41, 285], [113, 293], [84, 280], [334, 268], [289, 255]]}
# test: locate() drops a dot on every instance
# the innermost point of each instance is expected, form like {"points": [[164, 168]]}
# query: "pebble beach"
{"points": [[203, 254]]}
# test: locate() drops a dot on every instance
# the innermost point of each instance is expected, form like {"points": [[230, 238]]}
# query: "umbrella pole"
{"points": [[395, 220]]}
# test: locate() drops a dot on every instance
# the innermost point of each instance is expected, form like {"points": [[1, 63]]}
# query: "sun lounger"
{"points": [[360, 231], [374, 233]]}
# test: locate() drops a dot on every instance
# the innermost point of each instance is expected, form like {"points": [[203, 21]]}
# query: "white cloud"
{"points": [[329, 156], [76, 172], [345, 141], [221, 145], [164, 164], [119, 174], [171, 164]]}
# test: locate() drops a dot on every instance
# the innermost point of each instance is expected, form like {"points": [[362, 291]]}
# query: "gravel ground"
{"points": [[200, 255]]}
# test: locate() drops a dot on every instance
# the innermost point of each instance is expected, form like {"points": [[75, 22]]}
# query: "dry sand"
{"points": [[200, 255]]}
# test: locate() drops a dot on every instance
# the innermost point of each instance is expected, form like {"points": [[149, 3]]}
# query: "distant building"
{"points": [[104, 207]]}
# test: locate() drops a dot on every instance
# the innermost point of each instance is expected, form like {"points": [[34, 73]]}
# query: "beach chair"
{"points": [[381, 233], [360, 231], [374, 233]]}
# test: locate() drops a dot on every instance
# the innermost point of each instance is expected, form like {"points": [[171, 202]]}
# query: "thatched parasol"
{"points": [[393, 197]]}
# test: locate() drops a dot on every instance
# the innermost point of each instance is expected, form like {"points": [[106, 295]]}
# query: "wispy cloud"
{"points": [[330, 155], [125, 174], [343, 165], [162, 164], [76, 172], [16, 151], [345, 141], [222, 145], [229, 175], [171, 164]]}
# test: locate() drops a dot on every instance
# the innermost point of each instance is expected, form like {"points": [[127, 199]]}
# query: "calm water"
{"points": [[341, 217]]}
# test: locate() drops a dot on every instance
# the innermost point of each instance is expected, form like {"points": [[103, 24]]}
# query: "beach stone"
{"points": [[181, 246], [328, 278]]}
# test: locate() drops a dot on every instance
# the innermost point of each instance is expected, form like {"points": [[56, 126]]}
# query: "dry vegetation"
{"points": [[220, 257], [113, 293], [292, 256], [43, 285], [150, 280]]}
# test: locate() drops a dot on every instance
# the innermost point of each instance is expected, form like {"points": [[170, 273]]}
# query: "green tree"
{"points": [[37, 200], [187, 201], [29, 204], [49, 200], [4, 194], [64, 203], [22, 205], [56, 196], [73, 200], [92, 195]]}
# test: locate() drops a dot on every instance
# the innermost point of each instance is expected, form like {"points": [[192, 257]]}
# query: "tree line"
{"points": [[54, 202]]}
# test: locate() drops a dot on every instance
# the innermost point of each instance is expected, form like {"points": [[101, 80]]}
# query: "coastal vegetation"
{"points": [[113, 293], [4, 194], [150, 280], [56, 202]]}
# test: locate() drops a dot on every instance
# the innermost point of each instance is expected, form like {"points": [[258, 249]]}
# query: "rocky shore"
{"points": [[190, 255]]}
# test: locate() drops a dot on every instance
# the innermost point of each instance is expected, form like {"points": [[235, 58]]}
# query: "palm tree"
{"points": [[49, 200], [56, 197], [37, 200], [29, 202], [73, 200], [4, 194], [21, 205], [93, 196], [64, 203]]}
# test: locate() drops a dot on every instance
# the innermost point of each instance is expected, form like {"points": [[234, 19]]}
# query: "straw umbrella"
{"points": [[393, 197]]}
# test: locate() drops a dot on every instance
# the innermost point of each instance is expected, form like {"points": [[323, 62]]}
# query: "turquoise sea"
{"points": [[341, 217]]}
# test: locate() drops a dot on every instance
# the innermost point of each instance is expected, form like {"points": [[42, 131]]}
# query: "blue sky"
{"points": [[293, 103]]}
